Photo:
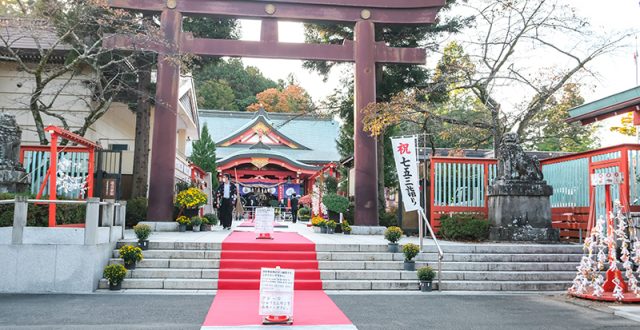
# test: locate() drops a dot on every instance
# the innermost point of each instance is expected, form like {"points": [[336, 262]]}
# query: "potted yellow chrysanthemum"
{"points": [[190, 200]]}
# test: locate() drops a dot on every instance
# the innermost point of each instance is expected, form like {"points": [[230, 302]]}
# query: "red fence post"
{"points": [[53, 174]]}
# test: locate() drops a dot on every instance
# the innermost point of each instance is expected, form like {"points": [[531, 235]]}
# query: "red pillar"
{"points": [[365, 151], [53, 175], [163, 153]]}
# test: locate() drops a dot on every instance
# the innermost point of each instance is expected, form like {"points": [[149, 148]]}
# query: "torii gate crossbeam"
{"points": [[364, 51]]}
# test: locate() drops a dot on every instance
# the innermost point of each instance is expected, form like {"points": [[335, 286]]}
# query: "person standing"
{"points": [[294, 207], [225, 196]]}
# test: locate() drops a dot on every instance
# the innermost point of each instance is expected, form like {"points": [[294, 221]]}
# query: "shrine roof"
{"points": [[266, 154], [609, 106], [318, 136]]}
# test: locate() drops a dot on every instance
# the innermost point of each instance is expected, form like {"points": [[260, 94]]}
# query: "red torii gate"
{"points": [[364, 51]]}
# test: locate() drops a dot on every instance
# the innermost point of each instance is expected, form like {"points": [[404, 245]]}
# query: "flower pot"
{"points": [[196, 228], [182, 228], [130, 266], [347, 232], [143, 244], [316, 229], [330, 230], [409, 265], [425, 286], [324, 230], [205, 228], [115, 287], [393, 247], [338, 229]]}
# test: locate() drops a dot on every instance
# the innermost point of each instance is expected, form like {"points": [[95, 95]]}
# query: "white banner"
{"points": [[264, 220], [405, 156], [276, 291], [601, 179]]}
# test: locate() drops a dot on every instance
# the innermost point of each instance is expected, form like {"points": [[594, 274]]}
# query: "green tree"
{"points": [[216, 94], [548, 130], [204, 154], [245, 82]]}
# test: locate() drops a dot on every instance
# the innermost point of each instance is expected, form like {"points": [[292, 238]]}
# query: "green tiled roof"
{"points": [[319, 135], [608, 102]]}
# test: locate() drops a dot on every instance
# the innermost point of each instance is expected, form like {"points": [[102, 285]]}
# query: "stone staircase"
{"points": [[480, 267]]}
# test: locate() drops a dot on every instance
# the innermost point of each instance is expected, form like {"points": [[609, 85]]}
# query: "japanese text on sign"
{"points": [[405, 158], [276, 291], [264, 220], [601, 179]]}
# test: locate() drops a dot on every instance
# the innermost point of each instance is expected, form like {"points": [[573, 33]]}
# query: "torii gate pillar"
{"points": [[163, 151], [364, 148]]}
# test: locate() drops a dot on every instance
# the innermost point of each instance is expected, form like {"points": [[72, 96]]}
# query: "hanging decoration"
{"points": [[68, 183], [607, 237]]}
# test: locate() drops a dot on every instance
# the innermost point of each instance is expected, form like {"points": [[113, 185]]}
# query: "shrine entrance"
{"points": [[365, 51]]}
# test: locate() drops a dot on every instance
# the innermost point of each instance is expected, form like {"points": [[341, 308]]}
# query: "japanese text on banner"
{"points": [[405, 156]]}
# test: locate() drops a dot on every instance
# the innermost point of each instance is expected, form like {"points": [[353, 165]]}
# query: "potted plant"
{"points": [[190, 200], [331, 226], [183, 222], [410, 251], [393, 235], [205, 226], [130, 255], [212, 218], [346, 229], [316, 223], [323, 226], [335, 205], [115, 274], [196, 222], [304, 214], [426, 276], [142, 232]]}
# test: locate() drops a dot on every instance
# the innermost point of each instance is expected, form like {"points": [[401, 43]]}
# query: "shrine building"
{"points": [[278, 153]]}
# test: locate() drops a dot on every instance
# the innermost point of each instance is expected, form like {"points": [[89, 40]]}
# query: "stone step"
{"points": [[176, 254], [154, 245], [167, 284], [175, 263], [173, 273], [507, 266], [472, 257], [504, 285]]}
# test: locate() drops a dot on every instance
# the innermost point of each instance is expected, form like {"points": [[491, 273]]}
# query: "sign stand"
{"points": [[276, 295], [264, 217]]}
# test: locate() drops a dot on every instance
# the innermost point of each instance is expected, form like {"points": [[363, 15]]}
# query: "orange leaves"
{"points": [[292, 98]]}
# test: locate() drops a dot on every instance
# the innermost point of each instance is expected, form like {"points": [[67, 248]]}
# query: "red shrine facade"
{"points": [[273, 153]]}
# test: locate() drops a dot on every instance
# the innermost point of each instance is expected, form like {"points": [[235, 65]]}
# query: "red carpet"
{"points": [[236, 303]]}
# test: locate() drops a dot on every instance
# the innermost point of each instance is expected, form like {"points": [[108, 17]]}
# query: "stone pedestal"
{"points": [[13, 181], [521, 211]]}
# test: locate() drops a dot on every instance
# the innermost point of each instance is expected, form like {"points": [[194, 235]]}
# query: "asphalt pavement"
{"points": [[422, 311]]}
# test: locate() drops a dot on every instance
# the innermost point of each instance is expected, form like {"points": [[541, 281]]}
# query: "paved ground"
{"points": [[418, 311]]}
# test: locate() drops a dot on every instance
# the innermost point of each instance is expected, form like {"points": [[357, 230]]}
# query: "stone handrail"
{"points": [[113, 214]]}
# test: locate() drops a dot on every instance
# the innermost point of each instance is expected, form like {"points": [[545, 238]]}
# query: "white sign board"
{"points": [[601, 179], [276, 291], [405, 156], [264, 220]]}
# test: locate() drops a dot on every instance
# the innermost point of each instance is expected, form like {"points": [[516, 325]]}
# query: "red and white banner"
{"points": [[601, 179], [405, 156]]}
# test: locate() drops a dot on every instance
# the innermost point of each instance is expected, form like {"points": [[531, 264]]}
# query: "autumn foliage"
{"points": [[292, 98]]}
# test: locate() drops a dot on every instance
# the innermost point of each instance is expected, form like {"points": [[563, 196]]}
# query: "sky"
{"points": [[616, 72]]}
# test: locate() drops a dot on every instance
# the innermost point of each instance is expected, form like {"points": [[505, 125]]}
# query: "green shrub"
{"points": [[115, 273], [331, 185], [426, 274], [273, 203], [212, 218], [38, 214], [389, 219], [410, 251], [464, 227], [304, 214], [335, 203], [142, 231], [393, 234], [349, 216], [136, 211], [332, 224]]}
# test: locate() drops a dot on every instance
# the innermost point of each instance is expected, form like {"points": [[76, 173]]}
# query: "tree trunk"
{"points": [[143, 128]]}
